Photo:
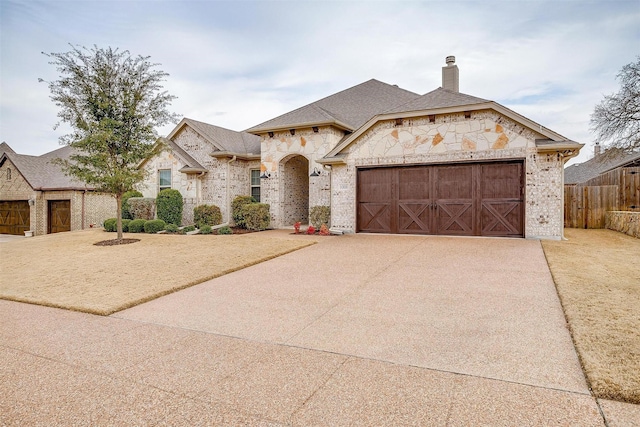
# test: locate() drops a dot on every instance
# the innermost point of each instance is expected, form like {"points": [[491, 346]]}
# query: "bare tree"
{"points": [[113, 103], [616, 119]]}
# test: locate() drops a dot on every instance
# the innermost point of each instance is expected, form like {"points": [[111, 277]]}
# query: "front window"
{"points": [[255, 184], [164, 178]]}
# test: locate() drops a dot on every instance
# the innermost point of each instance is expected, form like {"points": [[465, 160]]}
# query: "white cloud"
{"points": [[236, 64]]}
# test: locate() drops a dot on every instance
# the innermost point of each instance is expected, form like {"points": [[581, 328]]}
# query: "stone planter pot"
{"points": [[28, 233]]}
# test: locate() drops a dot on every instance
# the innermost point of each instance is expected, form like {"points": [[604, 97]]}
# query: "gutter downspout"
{"points": [[83, 210], [233, 159]]}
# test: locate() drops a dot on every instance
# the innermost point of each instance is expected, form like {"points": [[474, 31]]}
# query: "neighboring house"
{"points": [[385, 160], [36, 195], [600, 163]]}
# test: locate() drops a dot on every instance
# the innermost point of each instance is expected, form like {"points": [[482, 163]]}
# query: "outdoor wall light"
{"points": [[270, 134], [315, 172], [265, 175], [32, 202]]}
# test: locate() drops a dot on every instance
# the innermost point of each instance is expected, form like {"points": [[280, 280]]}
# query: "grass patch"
{"points": [[597, 274], [66, 270]]}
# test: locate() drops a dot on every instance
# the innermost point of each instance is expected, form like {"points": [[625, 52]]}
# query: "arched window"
{"points": [[8, 174]]}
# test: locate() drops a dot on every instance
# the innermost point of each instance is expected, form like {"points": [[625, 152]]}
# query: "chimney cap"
{"points": [[450, 60]]}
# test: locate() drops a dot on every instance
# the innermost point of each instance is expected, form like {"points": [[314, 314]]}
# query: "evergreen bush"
{"points": [[125, 225], [137, 225], [154, 226], [320, 215], [207, 215], [126, 213], [236, 209], [169, 206], [256, 216], [111, 225], [171, 228], [205, 229], [142, 207], [225, 230]]}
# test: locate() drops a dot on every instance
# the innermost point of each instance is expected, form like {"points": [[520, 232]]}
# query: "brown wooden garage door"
{"points": [[59, 216], [14, 217], [477, 199]]}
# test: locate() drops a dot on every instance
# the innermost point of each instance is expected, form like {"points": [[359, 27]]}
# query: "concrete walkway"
{"points": [[357, 330]]}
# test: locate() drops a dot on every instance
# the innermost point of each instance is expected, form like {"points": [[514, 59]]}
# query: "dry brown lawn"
{"points": [[597, 273], [67, 270]]}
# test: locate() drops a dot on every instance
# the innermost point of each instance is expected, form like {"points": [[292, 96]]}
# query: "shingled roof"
{"points": [[348, 109], [40, 172], [583, 172], [221, 138], [438, 98]]}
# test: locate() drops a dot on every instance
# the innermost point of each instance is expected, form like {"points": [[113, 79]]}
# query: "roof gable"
{"points": [[349, 108], [220, 138]]}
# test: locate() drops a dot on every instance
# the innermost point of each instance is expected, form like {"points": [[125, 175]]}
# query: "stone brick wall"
{"points": [[276, 151], [624, 222], [484, 136], [544, 197], [224, 180]]}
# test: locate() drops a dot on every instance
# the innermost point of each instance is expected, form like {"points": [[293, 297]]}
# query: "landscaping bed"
{"points": [[597, 274]]}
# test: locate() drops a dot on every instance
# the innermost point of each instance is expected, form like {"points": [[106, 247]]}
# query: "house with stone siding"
{"points": [[386, 160], [36, 196]]}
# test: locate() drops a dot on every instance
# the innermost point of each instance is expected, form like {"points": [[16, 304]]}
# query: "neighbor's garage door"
{"points": [[59, 216], [14, 217], [478, 199]]}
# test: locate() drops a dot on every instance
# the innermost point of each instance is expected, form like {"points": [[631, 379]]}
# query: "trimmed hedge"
{"points": [[111, 225], [171, 228], [256, 216], [142, 207], [154, 226], [169, 206], [137, 225], [225, 230], [236, 209], [207, 215], [320, 215], [125, 225], [126, 213]]}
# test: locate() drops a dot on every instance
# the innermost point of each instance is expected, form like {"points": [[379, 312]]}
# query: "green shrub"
{"points": [[188, 228], [171, 228], [225, 230], [111, 224], [205, 229], [142, 207], [207, 215], [236, 209], [320, 215], [125, 225], [169, 206], [137, 225], [256, 216], [126, 213], [154, 226]]}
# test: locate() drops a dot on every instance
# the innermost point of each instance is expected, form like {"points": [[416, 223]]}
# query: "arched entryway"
{"points": [[294, 188]]}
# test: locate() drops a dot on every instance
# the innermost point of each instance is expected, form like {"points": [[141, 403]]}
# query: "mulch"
{"points": [[115, 242]]}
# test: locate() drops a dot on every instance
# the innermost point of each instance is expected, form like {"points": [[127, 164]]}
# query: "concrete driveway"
{"points": [[356, 330]]}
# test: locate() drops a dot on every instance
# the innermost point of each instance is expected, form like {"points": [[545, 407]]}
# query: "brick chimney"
{"points": [[450, 75]]}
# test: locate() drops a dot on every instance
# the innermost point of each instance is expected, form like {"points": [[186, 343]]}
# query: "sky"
{"points": [[236, 64]]}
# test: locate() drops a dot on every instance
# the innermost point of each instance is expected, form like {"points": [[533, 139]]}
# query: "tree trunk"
{"points": [[119, 215]]}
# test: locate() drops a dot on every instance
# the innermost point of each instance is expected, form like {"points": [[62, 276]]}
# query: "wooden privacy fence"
{"points": [[628, 181], [585, 205]]}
